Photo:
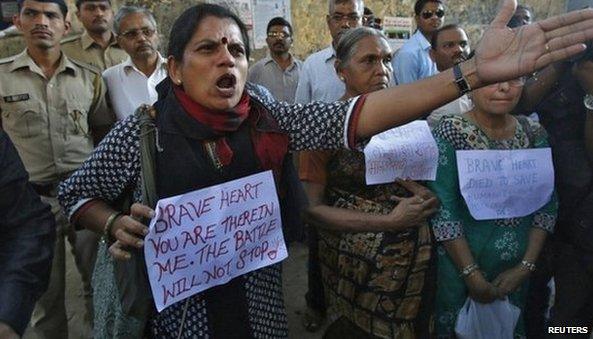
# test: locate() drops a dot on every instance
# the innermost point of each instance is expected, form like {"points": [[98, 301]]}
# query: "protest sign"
{"points": [[207, 237], [405, 152], [506, 183]]}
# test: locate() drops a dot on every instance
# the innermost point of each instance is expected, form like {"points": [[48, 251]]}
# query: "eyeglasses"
{"points": [[517, 82], [135, 33], [278, 35], [428, 14], [351, 18], [512, 83]]}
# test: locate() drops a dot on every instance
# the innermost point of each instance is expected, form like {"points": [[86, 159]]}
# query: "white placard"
{"points": [[207, 237], [263, 12], [499, 184], [405, 152]]}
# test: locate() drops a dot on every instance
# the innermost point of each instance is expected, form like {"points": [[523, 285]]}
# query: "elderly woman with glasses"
{"points": [[214, 127], [374, 251], [490, 258]]}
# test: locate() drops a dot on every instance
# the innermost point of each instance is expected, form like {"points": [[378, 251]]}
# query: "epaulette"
{"points": [[8, 59], [86, 66], [70, 39]]}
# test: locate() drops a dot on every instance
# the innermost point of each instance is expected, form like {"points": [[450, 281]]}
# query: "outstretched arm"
{"points": [[502, 54]]}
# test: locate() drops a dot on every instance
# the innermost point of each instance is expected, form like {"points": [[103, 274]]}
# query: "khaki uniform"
{"points": [[51, 123], [85, 49]]}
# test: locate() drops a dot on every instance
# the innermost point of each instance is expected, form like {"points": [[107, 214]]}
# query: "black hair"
{"points": [[188, 22], [435, 36], [419, 5], [279, 21], [79, 2], [60, 3]]}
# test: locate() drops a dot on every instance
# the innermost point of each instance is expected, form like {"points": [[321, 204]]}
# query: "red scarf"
{"points": [[270, 148]]}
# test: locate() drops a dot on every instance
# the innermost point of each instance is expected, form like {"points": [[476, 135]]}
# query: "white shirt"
{"points": [[318, 80], [128, 87]]}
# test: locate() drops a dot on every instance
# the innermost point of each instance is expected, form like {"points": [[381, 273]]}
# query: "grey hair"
{"points": [[359, 5], [127, 10], [347, 46]]}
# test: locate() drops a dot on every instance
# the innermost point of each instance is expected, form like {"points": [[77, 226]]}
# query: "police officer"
{"points": [[54, 110], [97, 45]]}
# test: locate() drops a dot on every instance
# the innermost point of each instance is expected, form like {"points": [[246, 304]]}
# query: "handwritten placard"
{"points": [[207, 237], [507, 183], [405, 152]]}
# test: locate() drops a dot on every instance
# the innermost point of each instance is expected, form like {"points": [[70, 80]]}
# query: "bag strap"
{"points": [[131, 276], [148, 149]]}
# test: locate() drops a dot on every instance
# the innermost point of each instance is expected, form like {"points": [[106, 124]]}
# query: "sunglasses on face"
{"points": [[279, 35], [428, 14], [135, 33]]}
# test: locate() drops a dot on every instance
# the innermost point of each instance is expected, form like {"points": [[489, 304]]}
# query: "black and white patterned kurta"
{"points": [[115, 166]]}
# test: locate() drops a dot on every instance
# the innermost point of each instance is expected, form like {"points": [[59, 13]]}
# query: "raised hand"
{"points": [[505, 54]]}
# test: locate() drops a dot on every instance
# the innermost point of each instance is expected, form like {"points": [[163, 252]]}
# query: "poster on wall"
{"points": [[263, 12], [398, 30]]}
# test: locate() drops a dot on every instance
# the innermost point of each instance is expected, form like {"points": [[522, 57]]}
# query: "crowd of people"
{"points": [[98, 127]]}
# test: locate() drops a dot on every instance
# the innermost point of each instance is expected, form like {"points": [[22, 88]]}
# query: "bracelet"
{"points": [[109, 225], [469, 270], [461, 81], [528, 265]]}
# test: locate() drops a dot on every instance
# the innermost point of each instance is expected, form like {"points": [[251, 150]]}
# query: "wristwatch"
{"points": [[461, 81], [588, 101]]}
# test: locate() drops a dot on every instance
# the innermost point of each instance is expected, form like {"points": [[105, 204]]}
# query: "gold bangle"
{"points": [[528, 265], [469, 270], [109, 225]]}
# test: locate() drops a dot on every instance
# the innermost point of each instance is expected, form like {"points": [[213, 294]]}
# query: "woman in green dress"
{"points": [[484, 259]]}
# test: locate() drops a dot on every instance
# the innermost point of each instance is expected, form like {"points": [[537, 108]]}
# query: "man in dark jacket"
{"points": [[27, 234]]}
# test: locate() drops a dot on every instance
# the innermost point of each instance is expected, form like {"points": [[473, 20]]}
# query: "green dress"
{"points": [[497, 245]]}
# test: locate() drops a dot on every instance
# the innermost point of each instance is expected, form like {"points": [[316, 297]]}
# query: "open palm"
{"points": [[505, 53]]}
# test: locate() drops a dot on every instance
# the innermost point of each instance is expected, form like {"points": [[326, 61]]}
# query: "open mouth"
{"points": [[226, 85]]}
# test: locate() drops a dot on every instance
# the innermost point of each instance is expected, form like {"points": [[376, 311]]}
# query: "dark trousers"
{"points": [[574, 290], [538, 294], [315, 295]]}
